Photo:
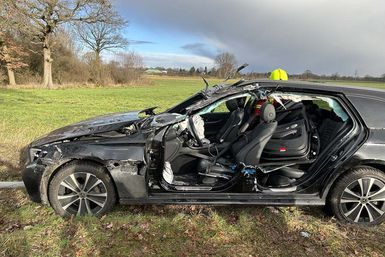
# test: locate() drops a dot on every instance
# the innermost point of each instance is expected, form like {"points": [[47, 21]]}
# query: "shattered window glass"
{"points": [[323, 102]]}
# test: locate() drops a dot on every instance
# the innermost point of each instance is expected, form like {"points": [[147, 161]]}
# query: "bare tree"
{"points": [[105, 35], [126, 68], [356, 74], [307, 74], [100, 37], [132, 64], [47, 15], [131, 60], [226, 63]]}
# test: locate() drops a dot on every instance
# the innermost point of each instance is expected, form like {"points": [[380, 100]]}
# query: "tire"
{"points": [[81, 188], [358, 197]]}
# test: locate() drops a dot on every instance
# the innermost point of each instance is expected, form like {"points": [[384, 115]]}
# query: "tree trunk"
{"points": [[98, 69], [11, 76], [47, 77], [11, 73]]}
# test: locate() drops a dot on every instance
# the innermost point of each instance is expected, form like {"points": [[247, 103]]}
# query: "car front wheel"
{"points": [[81, 188], [358, 197]]}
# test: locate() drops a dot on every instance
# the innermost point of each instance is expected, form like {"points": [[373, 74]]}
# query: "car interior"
{"points": [[256, 143]]}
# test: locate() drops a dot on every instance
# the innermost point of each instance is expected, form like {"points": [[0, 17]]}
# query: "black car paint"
{"points": [[94, 125], [128, 157], [123, 157]]}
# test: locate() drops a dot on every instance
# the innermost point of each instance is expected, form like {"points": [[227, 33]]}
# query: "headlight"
{"points": [[35, 153]]}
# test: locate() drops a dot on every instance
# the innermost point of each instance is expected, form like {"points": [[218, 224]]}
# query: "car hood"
{"points": [[99, 124]]}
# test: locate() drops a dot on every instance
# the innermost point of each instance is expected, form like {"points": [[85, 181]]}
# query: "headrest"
{"points": [[233, 104], [267, 112]]}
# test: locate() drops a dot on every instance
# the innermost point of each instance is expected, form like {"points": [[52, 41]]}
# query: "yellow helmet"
{"points": [[278, 74]]}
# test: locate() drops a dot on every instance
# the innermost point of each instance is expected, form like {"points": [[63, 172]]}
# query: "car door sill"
{"points": [[227, 198]]}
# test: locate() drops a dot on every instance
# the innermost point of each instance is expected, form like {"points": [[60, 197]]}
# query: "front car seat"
{"points": [[248, 149], [229, 131]]}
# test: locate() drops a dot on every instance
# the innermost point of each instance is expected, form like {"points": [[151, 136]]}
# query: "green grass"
{"points": [[28, 229]]}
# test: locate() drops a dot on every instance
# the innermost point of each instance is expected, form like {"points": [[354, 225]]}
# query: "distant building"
{"points": [[155, 71]]}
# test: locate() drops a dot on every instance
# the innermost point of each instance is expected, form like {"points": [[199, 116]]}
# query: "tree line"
{"points": [[226, 63]]}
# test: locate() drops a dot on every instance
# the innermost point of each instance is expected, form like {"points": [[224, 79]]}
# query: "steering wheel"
{"points": [[194, 132]]}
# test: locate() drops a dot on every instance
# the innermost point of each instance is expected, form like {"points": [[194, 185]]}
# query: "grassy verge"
{"points": [[28, 229]]}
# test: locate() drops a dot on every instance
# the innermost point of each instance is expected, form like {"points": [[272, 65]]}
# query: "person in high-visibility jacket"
{"points": [[279, 74]]}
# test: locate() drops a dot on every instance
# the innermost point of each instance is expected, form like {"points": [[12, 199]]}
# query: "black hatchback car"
{"points": [[251, 142]]}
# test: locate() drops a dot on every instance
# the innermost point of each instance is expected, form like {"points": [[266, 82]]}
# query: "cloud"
{"points": [[325, 36], [200, 49], [139, 42], [172, 60]]}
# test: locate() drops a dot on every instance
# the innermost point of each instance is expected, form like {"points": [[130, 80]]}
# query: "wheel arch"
{"points": [[325, 191], [47, 177]]}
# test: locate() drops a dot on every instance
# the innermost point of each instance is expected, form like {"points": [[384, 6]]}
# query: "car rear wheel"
{"points": [[81, 188], [359, 197]]}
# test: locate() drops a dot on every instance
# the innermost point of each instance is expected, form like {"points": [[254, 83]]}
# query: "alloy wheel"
{"points": [[82, 193], [363, 200]]}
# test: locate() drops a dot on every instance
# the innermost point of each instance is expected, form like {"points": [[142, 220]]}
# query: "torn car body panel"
{"points": [[95, 125], [123, 157]]}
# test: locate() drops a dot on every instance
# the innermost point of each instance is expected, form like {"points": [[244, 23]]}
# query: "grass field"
{"points": [[28, 229]]}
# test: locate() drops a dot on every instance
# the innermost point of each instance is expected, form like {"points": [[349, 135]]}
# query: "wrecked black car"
{"points": [[251, 142]]}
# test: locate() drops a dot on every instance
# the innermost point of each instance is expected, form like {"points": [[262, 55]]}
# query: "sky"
{"points": [[324, 36]]}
